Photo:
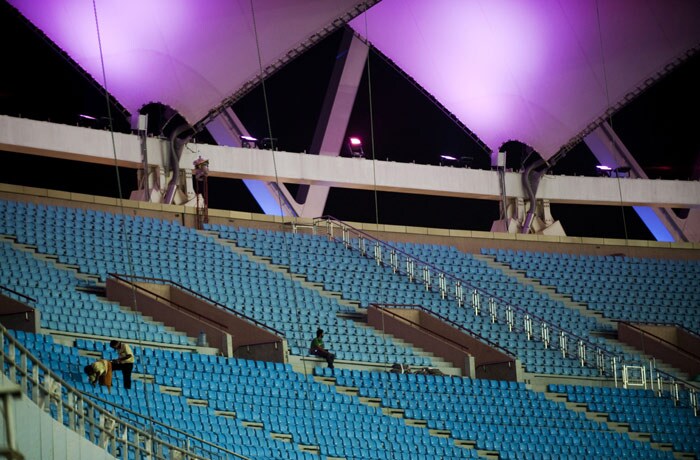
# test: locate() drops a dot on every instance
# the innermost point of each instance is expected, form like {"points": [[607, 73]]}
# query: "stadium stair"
{"points": [[250, 254], [326, 377], [354, 312], [574, 400], [582, 308], [539, 287]]}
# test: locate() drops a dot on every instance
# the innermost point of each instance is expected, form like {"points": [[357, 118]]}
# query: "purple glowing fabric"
{"points": [[536, 71], [189, 54]]}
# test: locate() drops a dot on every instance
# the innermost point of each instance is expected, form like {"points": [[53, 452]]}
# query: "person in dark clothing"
{"points": [[318, 349], [125, 361]]}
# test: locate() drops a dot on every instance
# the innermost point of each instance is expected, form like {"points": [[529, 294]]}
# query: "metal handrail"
{"points": [[76, 410], [126, 278], [607, 363], [139, 418], [384, 306], [655, 337], [459, 282], [165, 299], [19, 294]]}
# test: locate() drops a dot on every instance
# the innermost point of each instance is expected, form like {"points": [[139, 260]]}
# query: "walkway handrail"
{"points": [[75, 410], [126, 278], [449, 286], [386, 306], [26, 298], [459, 284], [677, 349], [145, 420]]}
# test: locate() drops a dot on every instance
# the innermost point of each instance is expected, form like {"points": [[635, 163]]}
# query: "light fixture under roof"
{"points": [[355, 144], [459, 161], [248, 142]]}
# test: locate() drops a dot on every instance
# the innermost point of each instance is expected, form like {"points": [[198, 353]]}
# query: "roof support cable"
{"points": [[125, 230]]}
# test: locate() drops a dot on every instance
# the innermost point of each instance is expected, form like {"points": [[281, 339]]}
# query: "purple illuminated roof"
{"points": [[188, 54], [536, 71]]}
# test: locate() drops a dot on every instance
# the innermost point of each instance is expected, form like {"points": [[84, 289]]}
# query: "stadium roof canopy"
{"points": [[541, 72]]}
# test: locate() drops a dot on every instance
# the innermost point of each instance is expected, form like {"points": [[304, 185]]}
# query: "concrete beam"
{"points": [[83, 144]]}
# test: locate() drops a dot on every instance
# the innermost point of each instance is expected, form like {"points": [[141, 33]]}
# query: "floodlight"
{"points": [[248, 142], [604, 170], [355, 145], [455, 160]]}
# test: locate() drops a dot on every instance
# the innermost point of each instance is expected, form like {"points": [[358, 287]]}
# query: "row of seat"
{"points": [[507, 428]]}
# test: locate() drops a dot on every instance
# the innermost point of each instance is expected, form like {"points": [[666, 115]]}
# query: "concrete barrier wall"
{"points": [[19, 316], [659, 347], [259, 343], [473, 357], [193, 316]]}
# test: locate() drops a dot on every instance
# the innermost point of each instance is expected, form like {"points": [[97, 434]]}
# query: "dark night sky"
{"points": [[407, 127]]}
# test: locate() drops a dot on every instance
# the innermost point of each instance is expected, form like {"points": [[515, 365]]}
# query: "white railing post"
{"points": [[582, 352], [410, 269], [544, 331], [600, 361], [10, 357], [346, 237], [476, 302], [459, 293], [563, 344], [527, 324], [106, 426], [44, 401], [36, 388], [443, 285], [23, 371], [510, 318], [675, 392], [493, 310], [693, 400], [378, 253]]}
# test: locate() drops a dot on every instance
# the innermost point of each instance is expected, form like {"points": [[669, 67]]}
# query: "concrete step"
{"points": [[250, 254], [604, 417], [550, 291], [439, 363]]}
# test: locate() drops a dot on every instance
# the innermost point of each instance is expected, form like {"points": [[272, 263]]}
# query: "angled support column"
{"points": [[328, 138], [227, 129], [662, 222]]}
